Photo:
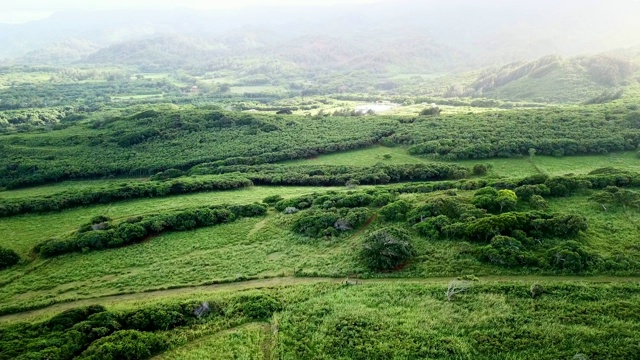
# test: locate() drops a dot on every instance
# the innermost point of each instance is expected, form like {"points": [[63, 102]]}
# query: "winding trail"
{"points": [[292, 281]]}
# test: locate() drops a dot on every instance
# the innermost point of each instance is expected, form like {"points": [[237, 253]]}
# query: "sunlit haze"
{"points": [[28, 10]]}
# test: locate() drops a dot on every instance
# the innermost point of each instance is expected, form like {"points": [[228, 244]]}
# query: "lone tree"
{"points": [[386, 249]]}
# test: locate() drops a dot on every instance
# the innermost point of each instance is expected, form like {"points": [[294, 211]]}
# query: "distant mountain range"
{"points": [[424, 36]]}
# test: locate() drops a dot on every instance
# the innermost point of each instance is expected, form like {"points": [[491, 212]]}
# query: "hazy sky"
{"points": [[26, 10]]}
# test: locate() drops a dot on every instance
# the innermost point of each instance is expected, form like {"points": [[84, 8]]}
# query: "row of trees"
{"points": [[103, 233], [333, 175], [120, 191], [535, 185]]}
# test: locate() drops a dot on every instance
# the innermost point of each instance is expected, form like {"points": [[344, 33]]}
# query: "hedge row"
{"points": [[332, 199], [557, 186], [102, 233], [332, 175], [121, 191]]}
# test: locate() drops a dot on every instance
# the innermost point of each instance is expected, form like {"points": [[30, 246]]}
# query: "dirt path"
{"points": [[289, 281], [365, 226], [268, 341]]}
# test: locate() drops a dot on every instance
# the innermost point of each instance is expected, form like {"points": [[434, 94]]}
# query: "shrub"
{"points": [[430, 111], [155, 318], [126, 345], [68, 318], [258, 307], [525, 192], [8, 258], [396, 211], [538, 202], [355, 217], [450, 207], [507, 200], [386, 249], [506, 251], [100, 219], [536, 290], [272, 200], [167, 174], [570, 256], [433, 227], [314, 223], [494, 200], [481, 169]]}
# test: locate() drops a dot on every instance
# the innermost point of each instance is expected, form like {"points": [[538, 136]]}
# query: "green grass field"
{"points": [[394, 320], [254, 248], [21, 233], [514, 167], [278, 292], [256, 89]]}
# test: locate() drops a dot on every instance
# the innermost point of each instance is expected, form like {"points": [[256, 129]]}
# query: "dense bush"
{"points": [[125, 345], [272, 200], [121, 191], [318, 223], [534, 224], [386, 249], [396, 211], [506, 251], [430, 111], [8, 258], [257, 306], [496, 201], [481, 169], [94, 333], [332, 199], [511, 239], [138, 228], [570, 256], [525, 192], [613, 196], [448, 206]]}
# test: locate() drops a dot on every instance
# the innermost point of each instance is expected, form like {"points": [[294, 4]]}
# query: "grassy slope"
{"points": [[515, 167], [254, 248], [414, 320], [260, 248], [21, 233], [570, 83], [243, 342]]}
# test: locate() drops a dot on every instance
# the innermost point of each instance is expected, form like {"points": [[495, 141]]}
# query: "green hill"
{"points": [[552, 79]]}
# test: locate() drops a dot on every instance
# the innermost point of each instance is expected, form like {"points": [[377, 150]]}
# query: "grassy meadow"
{"points": [[394, 320], [282, 287], [508, 167]]}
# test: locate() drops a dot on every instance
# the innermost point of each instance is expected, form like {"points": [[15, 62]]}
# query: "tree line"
{"points": [[118, 191]]}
